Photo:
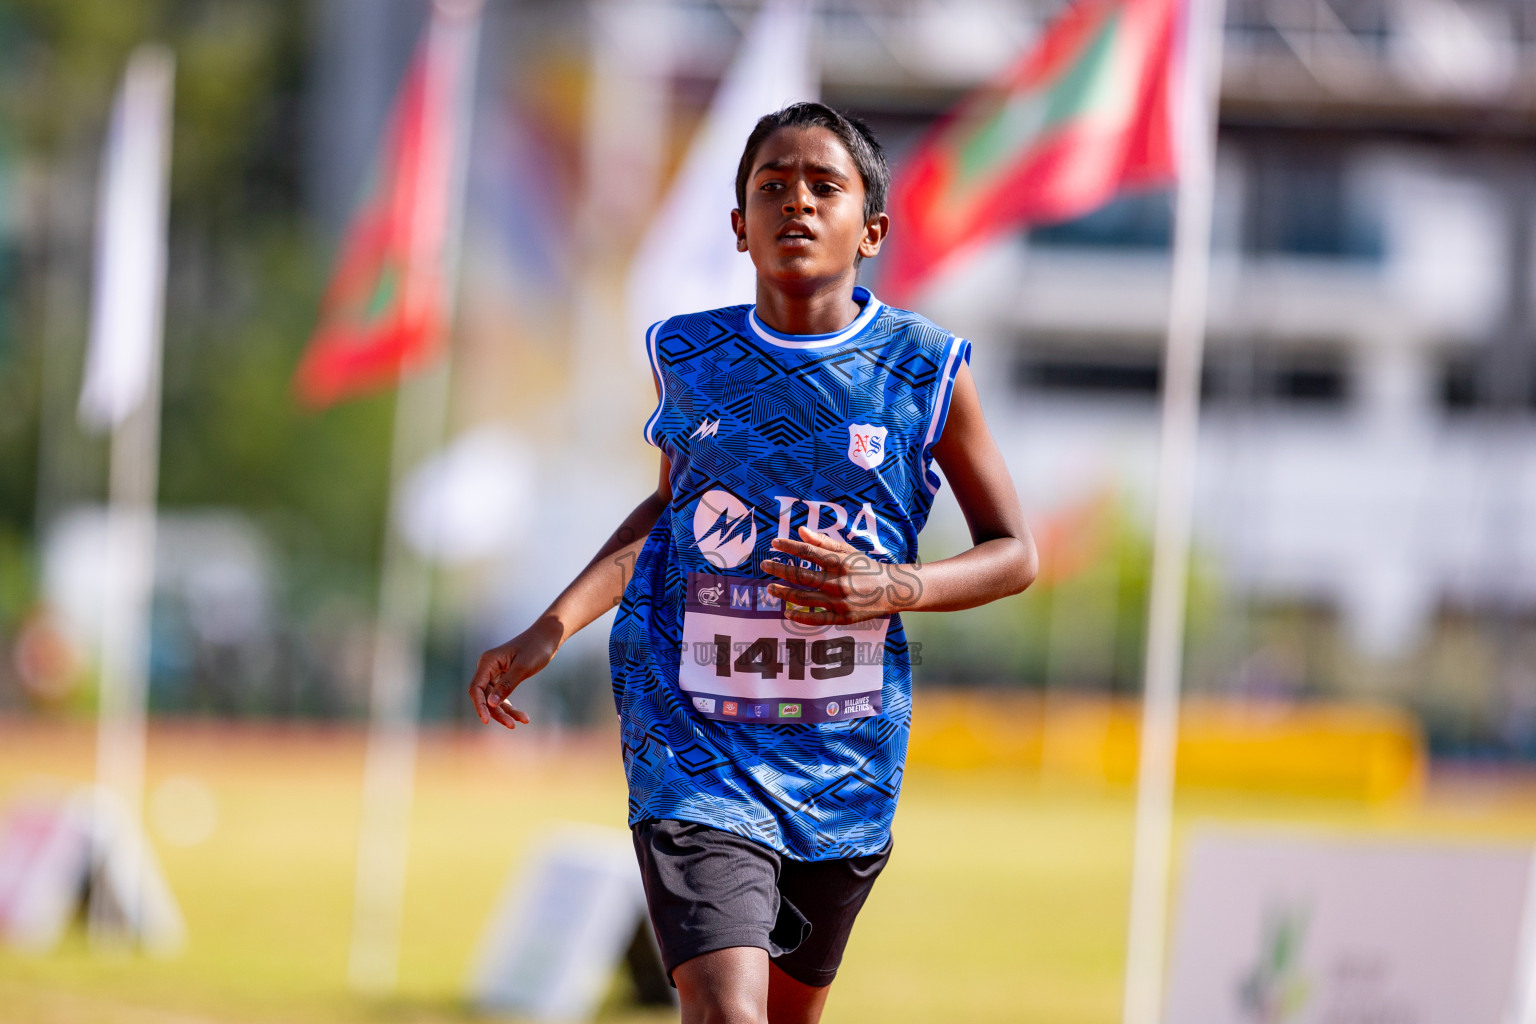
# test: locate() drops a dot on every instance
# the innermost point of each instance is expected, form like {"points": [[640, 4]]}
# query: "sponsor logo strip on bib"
{"points": [[737, 709], [742, 661]]}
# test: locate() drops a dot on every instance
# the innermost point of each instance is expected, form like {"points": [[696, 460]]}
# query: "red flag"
{"points": [[1082, 116], [387, 309]]}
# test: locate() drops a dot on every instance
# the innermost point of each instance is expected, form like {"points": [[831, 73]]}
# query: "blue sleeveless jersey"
{"points": [[733, 716]]}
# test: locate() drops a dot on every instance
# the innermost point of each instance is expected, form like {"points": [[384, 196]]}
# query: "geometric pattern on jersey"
{"points": [[763, 417]]}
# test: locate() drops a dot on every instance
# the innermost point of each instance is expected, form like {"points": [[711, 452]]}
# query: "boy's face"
{"points": [[804, 222]]}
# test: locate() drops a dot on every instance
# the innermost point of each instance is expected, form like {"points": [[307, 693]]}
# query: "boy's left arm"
{"points": [[850, 586]]}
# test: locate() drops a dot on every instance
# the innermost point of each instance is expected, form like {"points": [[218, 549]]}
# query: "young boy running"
{"points": [[759, 664]]}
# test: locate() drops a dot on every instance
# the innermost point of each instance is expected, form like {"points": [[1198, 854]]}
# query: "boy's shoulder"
{"points": [[918, 337], [721, 315], [906, 319]]}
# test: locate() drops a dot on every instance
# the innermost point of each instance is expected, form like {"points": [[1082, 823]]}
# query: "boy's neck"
{"points": [[823, 310]]}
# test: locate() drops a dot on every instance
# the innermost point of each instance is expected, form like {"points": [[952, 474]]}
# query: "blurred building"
{"points": [[1370, 371]]}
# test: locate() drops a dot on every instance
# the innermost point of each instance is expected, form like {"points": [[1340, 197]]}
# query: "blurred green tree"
{"points": [[245, 274]]}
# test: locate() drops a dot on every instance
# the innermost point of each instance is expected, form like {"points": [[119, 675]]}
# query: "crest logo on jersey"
{"points": [[866, 444], [724, 528], [707, 428]]}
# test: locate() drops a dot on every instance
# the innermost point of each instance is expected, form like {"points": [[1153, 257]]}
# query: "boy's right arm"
{"points": [[595, 589]]}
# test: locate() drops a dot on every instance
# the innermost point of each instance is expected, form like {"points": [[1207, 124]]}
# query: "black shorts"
{"points": [[710, 890]]}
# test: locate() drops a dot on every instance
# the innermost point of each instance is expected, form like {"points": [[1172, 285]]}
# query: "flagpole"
{"points": [[122, 388], [421, 405], [1199, 91]]}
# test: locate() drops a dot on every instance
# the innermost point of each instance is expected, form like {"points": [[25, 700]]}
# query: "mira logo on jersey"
{"points": [[724, 529], [830, 517]]}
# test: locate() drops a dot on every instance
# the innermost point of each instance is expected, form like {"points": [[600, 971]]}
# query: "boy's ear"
{"points": [[875, 230], [739, 227]]}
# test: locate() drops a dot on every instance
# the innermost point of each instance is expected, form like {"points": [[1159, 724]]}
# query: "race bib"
{"points": [[742, 661]]}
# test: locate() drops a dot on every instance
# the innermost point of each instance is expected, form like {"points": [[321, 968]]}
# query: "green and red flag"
{"points": [[1080, 117], [387, 309]]}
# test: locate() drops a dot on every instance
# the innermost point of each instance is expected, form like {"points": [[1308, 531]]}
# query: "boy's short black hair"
{"points": [[857, 139]]}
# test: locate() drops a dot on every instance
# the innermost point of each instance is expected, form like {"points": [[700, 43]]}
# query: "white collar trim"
{"points": [[864, 319]]}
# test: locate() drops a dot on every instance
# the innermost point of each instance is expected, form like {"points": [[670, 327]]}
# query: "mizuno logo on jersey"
{"points": [[707, 428], [864, 523]]}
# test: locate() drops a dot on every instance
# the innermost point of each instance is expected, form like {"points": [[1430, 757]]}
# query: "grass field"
{"points": [[1004, 901]]}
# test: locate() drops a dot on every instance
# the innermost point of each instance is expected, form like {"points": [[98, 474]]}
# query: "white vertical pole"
{"points": [[389, 768], [626, 123], [421, 404], [122, 388], [1199, 88]]}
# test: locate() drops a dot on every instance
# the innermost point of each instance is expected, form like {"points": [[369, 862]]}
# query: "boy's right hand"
{"points": [[502, 668]]}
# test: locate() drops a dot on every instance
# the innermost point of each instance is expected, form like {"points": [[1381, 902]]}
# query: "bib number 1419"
{"points": [[768, 656], [741, 661]]}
